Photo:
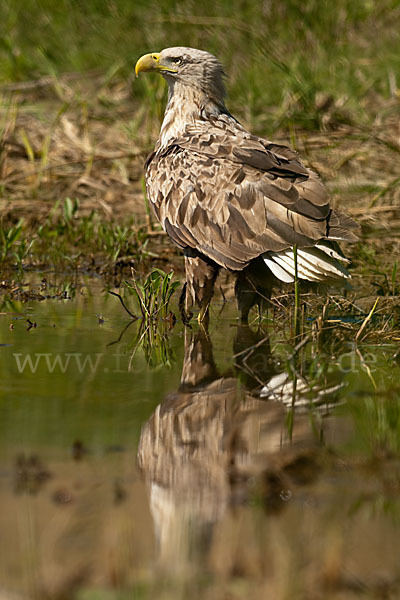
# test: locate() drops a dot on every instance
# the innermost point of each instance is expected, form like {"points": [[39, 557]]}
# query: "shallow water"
{"points": [[226, 464]]}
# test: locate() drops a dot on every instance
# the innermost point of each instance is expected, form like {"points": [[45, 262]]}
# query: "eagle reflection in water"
{"points": [[221, 442]]}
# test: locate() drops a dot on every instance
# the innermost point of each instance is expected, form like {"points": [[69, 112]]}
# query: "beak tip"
{"points": [[148, 62]]}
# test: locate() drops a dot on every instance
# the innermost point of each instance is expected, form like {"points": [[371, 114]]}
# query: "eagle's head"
{"points": [[188, 66]]}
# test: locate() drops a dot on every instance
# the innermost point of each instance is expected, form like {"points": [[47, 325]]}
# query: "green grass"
{"points": [[154, 294], [68, 239], [287, 61], [152, 297]]}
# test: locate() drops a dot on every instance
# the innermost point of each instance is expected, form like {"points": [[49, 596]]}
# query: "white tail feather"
{"points": [[279, 273], [317, 263], [305, 270], [327, 247]]}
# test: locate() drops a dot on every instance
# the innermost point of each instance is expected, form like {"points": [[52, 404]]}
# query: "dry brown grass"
{"points": [[53, 148], [85, 138]]}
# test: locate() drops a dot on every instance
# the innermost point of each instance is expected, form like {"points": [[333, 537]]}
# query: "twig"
{"points": [[366, 367], [367, 318], [300, 345], [123, 304], [257, 345], [121, 334], [296, 294]]}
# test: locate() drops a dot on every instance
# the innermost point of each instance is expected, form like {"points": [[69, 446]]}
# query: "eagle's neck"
{"points": [[186, 105]]}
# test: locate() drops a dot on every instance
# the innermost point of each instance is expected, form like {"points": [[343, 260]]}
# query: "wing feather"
{"points": [[233, 197]]}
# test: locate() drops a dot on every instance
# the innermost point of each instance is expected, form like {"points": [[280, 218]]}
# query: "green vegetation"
{"points": [[321, 76], [154, 294], [152, 297], [318, 373], [9, 241], [287, 61], [67, 239]]}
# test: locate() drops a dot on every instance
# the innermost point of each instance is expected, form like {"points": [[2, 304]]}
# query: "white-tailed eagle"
{"points": [[231, 199]]}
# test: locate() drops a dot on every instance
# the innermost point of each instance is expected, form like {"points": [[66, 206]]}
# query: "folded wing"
{"points": [[233, 197]]}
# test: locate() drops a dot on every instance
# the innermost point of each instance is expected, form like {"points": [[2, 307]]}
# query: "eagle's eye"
{"points": [[176, 60]]}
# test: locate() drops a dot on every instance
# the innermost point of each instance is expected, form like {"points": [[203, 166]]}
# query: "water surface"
{"points": [[223, 464]]}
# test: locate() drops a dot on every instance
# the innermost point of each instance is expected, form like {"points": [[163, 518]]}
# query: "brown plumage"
{"points": [[231, 199]]}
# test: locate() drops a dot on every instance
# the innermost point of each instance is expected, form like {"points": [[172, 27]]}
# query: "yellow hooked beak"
{"points": [[151, 62]]}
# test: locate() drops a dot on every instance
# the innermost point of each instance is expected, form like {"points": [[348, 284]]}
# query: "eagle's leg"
{"points": [[200, 280], [253, 287], [186, 316]]}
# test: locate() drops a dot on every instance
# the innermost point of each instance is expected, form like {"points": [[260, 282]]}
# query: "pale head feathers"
{"points": [[197, 69]]}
